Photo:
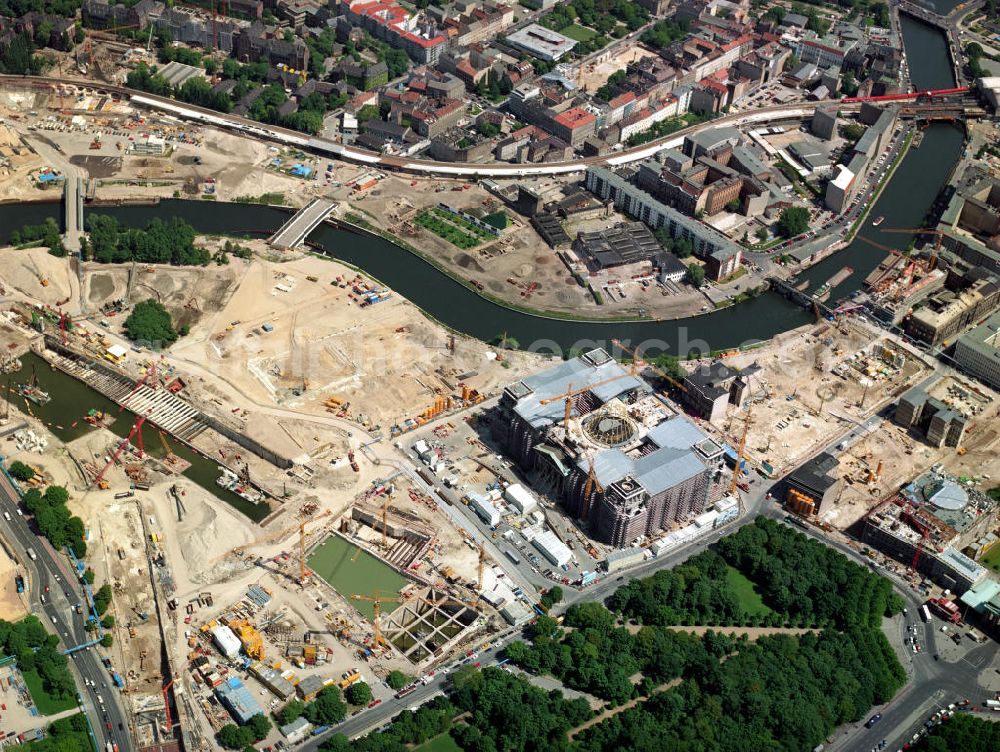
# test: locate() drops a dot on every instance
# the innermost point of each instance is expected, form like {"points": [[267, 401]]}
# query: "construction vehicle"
{"points": [[168, 452]]}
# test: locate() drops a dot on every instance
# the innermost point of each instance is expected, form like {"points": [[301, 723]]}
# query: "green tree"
{"points": [[359, 693], [696, 274], [328, 707], [102, 599], [290, 712], [20, 471], [793, 221], [761, 234], [397, 679], [260, 726], [232, 736], [107, 641], [150, 322]]}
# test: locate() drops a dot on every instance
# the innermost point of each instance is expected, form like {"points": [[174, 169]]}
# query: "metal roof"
{"points": [[673, 462], [592, 368]]}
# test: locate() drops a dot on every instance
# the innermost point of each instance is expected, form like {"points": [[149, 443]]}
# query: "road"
{"points": [[58, 613]]}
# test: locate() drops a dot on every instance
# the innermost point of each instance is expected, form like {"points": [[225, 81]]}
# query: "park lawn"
{"points": [[746, 591], [440, 743], [46, 704], [991, 559], [578, 33]]}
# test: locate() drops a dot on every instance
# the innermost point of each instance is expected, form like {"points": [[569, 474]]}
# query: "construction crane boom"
{"points": [[636, 359], [592, 485], [570, 393], [740, 458], [136, 429], [932, 260]]}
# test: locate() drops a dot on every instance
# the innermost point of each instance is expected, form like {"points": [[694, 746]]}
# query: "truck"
{"points": [[512, 556], [116, 678], [19, 582], [32, 554]]}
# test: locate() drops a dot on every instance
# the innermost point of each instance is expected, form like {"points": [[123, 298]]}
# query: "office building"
{"points": [[977, 352], [812, 484], [624, 462]]}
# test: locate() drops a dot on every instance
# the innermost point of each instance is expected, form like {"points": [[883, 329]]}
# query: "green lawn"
{"points": [[46, 704], [578, 33], [440, 743], [991, 560], [746, 591]]}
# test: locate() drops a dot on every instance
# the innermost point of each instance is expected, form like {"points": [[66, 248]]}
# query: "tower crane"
{"points": [[482, 564], [634, 352], [377, 601], [570, 393], [592, 485], [737, 470], [278, 535], [932, 261], [136, 431]]}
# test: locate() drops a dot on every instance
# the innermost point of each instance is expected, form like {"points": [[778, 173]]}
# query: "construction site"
{"points": [[812, 384]]}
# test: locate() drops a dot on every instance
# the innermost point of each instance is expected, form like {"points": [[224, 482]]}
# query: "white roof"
{"points": [[521, 498], [226, 640], [117, 351], [554, 549], [843, 178]]}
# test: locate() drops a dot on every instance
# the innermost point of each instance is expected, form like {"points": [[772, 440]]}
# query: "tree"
{"points": [[397, 679], [260, 726], [793, 221], [733, 206], [552, 597], [102, 599], [107, 641], [290, 712], [761, 234], [696, 274], [20, 471], [108, 621], [150, 322], [232, 736], [359, 693], [328, 708]]}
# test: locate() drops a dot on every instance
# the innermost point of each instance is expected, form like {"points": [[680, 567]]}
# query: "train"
{"points": [[910, 95]]}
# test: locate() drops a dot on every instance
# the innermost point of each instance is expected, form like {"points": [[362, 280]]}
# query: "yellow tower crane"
{"points": [[570, 393], [932, 261], [636, 360], [377, 601], [592, 485]]}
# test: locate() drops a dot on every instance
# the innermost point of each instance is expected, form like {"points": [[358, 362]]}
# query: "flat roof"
{"points": [[541, 41]]}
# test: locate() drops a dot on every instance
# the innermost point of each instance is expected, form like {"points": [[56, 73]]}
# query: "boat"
{"points": [[240, 486], [31, 391], [878, 220]]}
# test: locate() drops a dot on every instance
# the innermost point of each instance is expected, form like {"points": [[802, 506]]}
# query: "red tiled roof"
{"points": [[575, 117]]}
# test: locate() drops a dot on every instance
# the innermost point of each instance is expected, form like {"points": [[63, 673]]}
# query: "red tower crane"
{"points": [[166, 707], [136, 430]]}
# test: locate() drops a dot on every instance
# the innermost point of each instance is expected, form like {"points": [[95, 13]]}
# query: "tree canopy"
{"points": [[160, 242], [54, 519], [150, 322], [793, 221]]}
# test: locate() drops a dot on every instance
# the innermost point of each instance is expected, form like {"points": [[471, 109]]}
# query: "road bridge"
{"points": [[73, 197], [306, 219]]}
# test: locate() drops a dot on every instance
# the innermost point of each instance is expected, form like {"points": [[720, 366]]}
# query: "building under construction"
{"points": [[927, 526], [620, 458]]}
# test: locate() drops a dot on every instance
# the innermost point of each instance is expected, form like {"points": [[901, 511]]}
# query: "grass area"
{"points": [[746, 591], [461, 222], [276, 198], [991, 559], [46, 704], [578, 33], [440, 743], [446, 230]]}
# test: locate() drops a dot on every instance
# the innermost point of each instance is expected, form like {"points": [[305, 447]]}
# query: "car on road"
{"points": [[873, 720]]}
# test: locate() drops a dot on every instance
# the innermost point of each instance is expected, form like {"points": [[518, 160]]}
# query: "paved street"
{"points": [[59, 615]]}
